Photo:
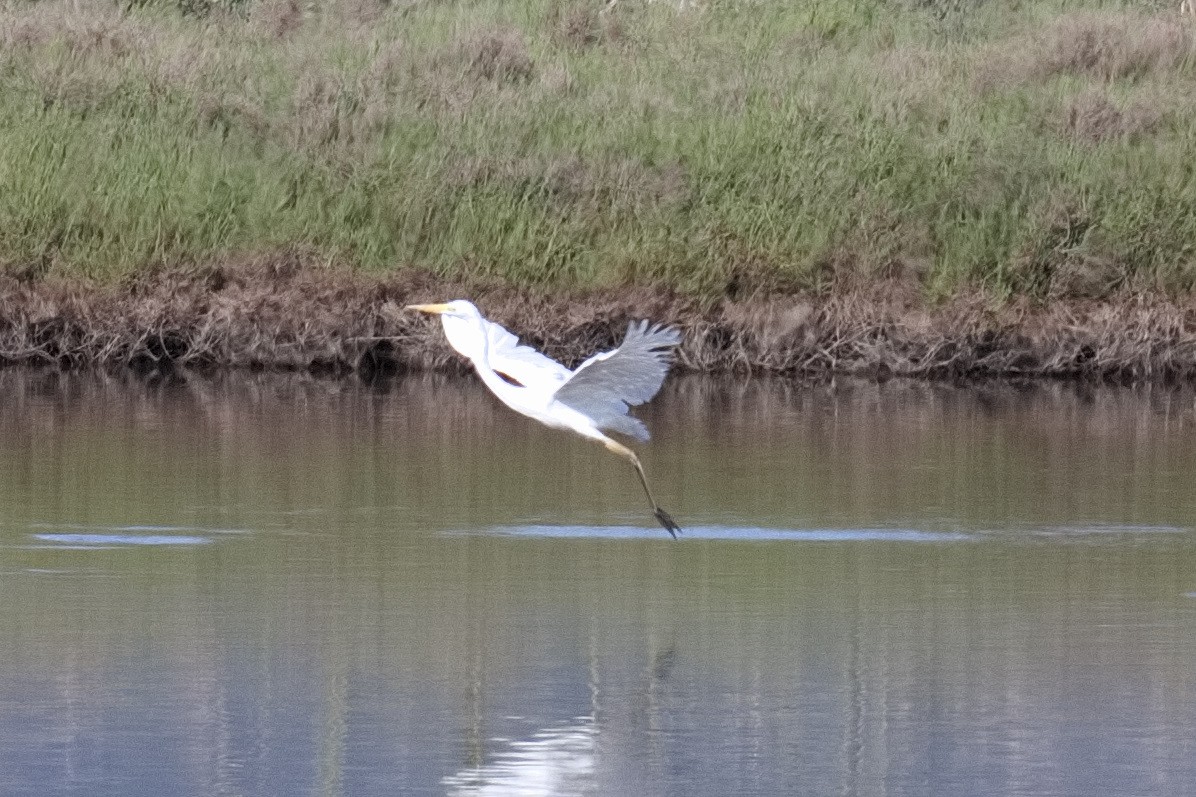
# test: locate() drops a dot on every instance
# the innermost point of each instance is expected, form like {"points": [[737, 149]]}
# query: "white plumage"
{"points": [[591, 400]]}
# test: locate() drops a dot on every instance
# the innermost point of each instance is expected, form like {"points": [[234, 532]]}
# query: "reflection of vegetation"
{"points": [[871, 453], [337, 642], [726, 149]]}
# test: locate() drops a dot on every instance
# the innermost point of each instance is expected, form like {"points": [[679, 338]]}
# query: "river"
{"points": [[257, 584]]}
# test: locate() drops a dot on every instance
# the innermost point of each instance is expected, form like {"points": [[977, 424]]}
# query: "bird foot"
{"points": [[666, 520]]}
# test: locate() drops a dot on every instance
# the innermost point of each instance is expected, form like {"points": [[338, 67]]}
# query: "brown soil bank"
{"points": [[280, 313]]}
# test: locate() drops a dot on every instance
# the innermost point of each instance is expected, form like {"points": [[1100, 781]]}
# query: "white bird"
{"points": [[590, 400]]}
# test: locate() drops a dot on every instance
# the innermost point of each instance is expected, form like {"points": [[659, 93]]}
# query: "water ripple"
{"points": [[1080, 534], [102, 541], [754, 534], [81, 536], [1110, 529], [137, 528]]}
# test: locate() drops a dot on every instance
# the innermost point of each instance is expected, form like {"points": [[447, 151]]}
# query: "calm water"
{"points": [[278, 585]]}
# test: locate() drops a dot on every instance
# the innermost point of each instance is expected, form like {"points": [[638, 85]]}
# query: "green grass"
{"points": [[1020, 148]]}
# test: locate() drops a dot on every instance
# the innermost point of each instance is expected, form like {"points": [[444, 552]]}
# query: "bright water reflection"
{"points": [[282, 585]]}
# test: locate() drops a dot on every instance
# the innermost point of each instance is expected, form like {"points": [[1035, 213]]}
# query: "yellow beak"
{"points": [[429, 308]]}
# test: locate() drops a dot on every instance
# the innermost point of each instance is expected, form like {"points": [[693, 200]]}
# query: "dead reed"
{"points": [[285, 312]]}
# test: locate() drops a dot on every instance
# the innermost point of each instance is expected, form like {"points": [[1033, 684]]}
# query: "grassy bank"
{"points": [[1022, 150]]}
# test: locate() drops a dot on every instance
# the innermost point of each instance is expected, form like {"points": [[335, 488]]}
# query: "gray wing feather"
{"points": [[606, 385], [522, 363]]}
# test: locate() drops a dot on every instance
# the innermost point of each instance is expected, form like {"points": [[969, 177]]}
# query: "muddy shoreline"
{"points": [[281, 313]]}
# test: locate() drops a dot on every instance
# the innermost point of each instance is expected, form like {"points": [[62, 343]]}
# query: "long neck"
{"points": [[479, 355], [506, 392]]}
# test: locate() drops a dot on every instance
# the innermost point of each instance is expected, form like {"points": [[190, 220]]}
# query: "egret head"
{"points": [[463, 325]]}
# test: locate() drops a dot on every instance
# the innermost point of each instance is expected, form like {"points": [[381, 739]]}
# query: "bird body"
{"points": [[591, 400]]}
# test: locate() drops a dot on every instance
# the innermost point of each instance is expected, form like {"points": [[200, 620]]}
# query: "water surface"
{"points": [[282, 585]]}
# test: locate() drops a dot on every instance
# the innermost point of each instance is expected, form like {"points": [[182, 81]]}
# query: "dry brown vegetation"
{"points": [[278, 18], [583, 25], [1094, 117], [284, 312], [1100, 45]]}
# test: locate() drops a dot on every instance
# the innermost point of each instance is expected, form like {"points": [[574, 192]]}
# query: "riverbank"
{"points": [[280, 312], [927, 188]]}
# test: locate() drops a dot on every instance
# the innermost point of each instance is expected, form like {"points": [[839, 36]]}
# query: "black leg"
{"points": [[667, 521]]}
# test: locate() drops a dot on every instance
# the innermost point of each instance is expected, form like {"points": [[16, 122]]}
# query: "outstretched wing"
{"points": [[604, 386], [524, 364]]}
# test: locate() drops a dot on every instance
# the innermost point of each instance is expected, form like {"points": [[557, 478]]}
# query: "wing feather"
{"points": [[606, 385], [522, 363]]}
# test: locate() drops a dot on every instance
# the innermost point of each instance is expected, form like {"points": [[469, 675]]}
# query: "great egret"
{"points": [[590, 400]]}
